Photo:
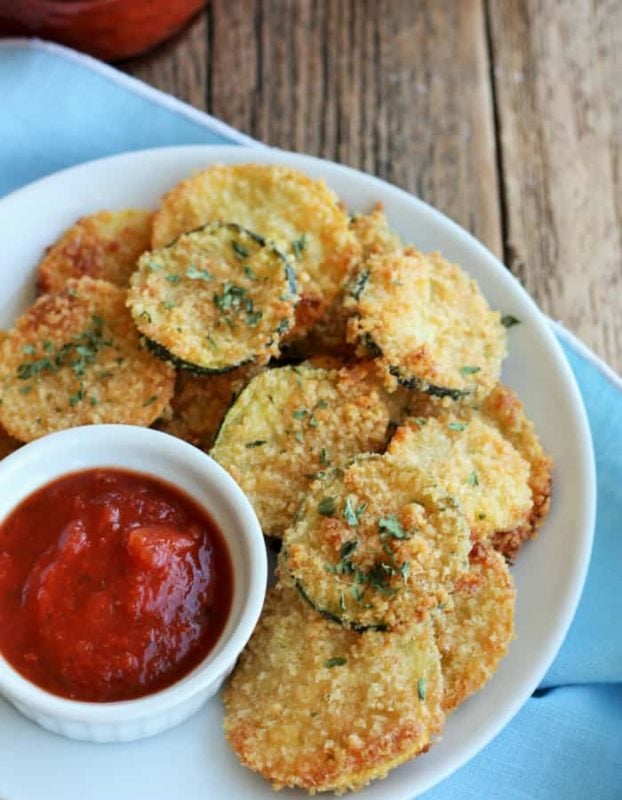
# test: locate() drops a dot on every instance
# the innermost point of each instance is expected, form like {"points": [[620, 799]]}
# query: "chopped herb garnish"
{"points": [[421, 687], [421, 421], [299, 436], [324, 460], [25, 389], [153, 267], [256, 443], [473, 480], [313, 423], [342, 602], [300, 413], [457, 426], [253, 318], [282, 326], [347, 548], [239, 250], [212, 341], [231, 296], [326, 507], [249, 273], [405, 569], [169, 305], [338, 661], [352, 512], [174, 279], [76, 397], [145, 315], [321, 404], [150, 400], [359, 284], [29, 349], [299, 245], [198, 274], [468, 370], [509, 321], [391, 526]]}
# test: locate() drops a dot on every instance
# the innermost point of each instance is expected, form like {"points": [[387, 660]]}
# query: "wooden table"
{"points": [[505, 114]]}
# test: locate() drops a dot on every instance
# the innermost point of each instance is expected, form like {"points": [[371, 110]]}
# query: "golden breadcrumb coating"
{"points": [[474, 633], [302, 215], [375, 544], [477, 465], [199, 404], [289, 425], [428, 321], [105, 245], [217, 298], [315, 706], [374, 234], [75, 358], [503, 408]]}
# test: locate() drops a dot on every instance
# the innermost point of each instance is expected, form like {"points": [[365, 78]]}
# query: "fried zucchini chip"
{"points": [[374, 234], [199, 404], [474, 462], [503, 408], [428, 321], [289, 425], [315, 706], [475, 632], [301, 215], [105, 245], [75, 358], [375, 545], [217, 298]]}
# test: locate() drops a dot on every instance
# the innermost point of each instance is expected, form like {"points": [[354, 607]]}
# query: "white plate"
{"points": [[193, 761]]}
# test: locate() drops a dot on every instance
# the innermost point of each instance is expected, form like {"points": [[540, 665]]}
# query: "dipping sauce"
{"points": [[113, 585]]}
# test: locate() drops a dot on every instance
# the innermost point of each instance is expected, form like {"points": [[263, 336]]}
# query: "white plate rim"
{"points": [[227, 153]]}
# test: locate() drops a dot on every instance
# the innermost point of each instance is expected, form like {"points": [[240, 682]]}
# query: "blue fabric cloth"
{"points": [[566, 742]]}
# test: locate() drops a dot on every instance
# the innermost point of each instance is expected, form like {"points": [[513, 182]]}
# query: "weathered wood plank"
{"points": [[558, 87]]}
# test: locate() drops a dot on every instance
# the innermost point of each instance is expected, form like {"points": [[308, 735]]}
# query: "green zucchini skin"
{"points": [[357, 627], [165, 355]]}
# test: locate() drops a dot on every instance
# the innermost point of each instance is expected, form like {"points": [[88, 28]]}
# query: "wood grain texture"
{"points": [[404, 89], [558, 88]]}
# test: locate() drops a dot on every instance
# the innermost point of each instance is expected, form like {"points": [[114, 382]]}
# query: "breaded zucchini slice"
{"points": [[475, 463], [474, 633], [75, 358], [329, 334], [301, 215], [315, 706], [290, 425], [217, 298], [428, 321], [105, 245], [503, 408], [199, 404], [375, 544], [374, 234]]}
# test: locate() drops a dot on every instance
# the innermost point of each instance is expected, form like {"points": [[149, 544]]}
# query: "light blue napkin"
{"points": [[58, 109]]}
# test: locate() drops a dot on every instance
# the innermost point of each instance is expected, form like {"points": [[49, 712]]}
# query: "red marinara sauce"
{"points": [[113, 585]]}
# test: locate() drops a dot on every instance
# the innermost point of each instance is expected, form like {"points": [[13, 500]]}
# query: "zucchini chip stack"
{"points": [[302, 216], [314, 705], [75, 358], [375, 545], [290, 425], [429, 323], [105, 245], [217, 298]]}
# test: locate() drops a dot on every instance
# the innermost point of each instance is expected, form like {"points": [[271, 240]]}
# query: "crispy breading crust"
{"points": [[475, 462], [217, 298], [375, 544], [105, 245], [75, 358], [429, 322], [474, 634], [290, 424], [328, 335], [506, 411], [303, 216], [199, 404], [301, 723]]}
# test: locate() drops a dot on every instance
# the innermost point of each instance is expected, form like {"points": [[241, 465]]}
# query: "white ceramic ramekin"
{"points": [[163, 456]]}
